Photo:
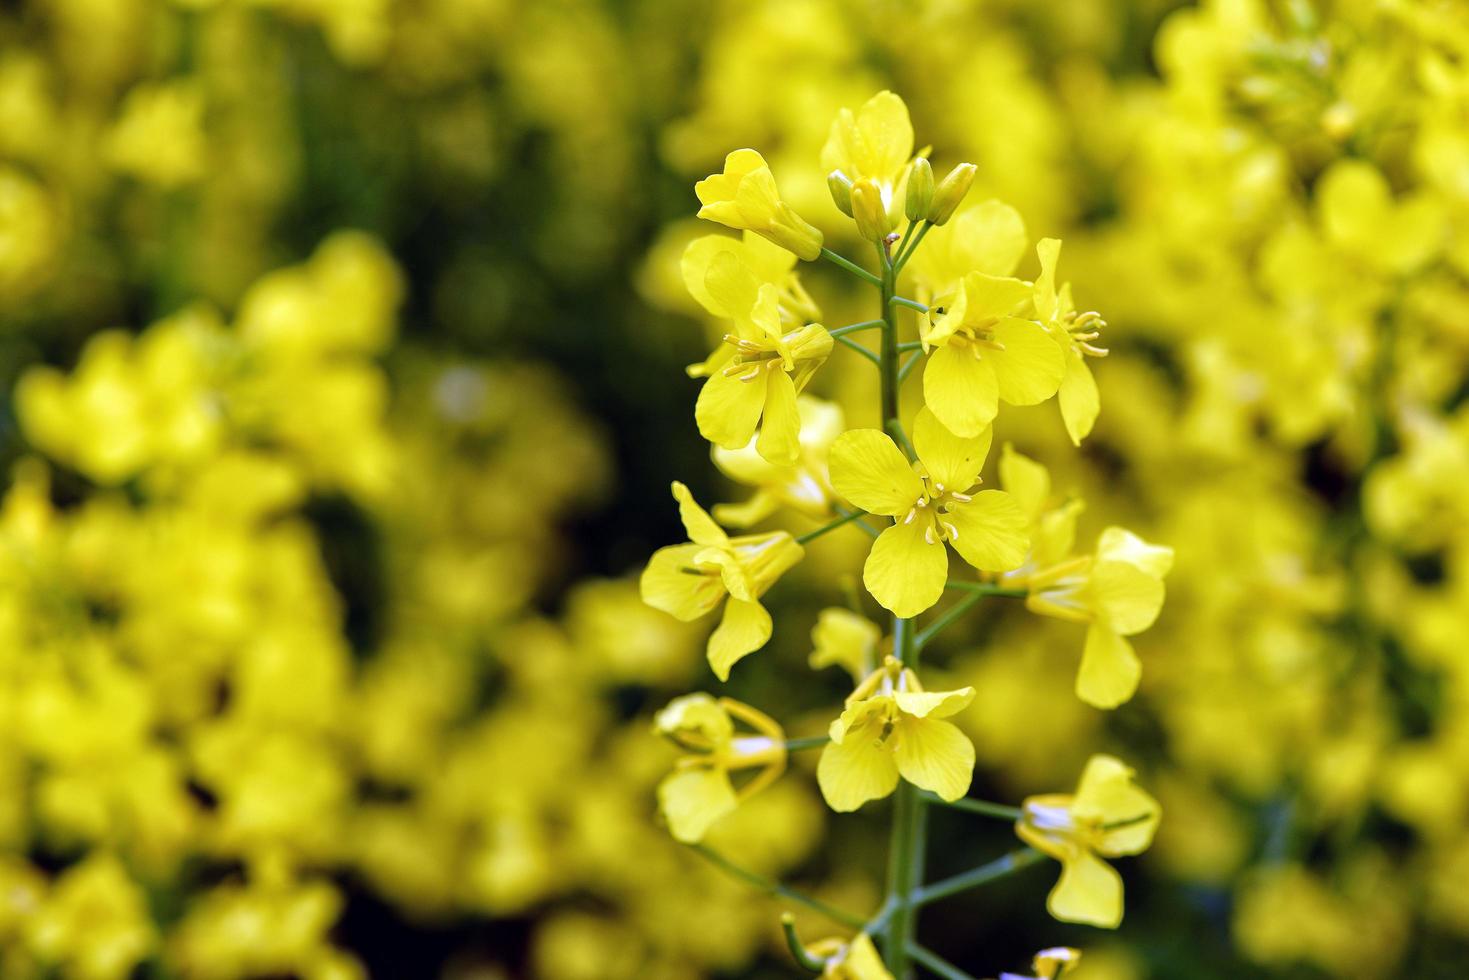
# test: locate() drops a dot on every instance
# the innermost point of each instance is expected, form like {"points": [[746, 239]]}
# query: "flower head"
{"points": [[892, 727], [745, 197], [1076, 333], [803, 486], [847, 639], [931, 504], [1108, 817], [690, 580], [1057, 961], [856, 959], [699, 791], [873, 145]]}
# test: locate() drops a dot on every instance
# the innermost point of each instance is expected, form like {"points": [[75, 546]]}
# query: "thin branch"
{"points": [[950, 616], [937, 963], [913, 246], [872, 532], [776, 888], [912, 304], [987, 588], [857, 327], [832, 526], [985, 873], [908, 366], [810, 742], [908, 345], [798, 951], [850, 266], [859, 349], [970, 805]]}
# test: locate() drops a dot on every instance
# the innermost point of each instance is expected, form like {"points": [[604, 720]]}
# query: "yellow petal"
{"points": [[1108, 794], [731, 287], [728, 409], [699, 525], [952, 461], [1049, 251], [861, 961], [1125, 597], [1120, 544], [961, 390], [693, 799], [992, 531], [1026, 480], [1030, 368], [856, 770], [1109, 669], [988, 298], [696, 712], [694, 265], [743, 630], [935, 755], [905, 573], [780, 428], [933, 704], [844, 638], [990, 236], [868, 469], [665, 585], [749, 513], [1078, 398], [1090, 892]]}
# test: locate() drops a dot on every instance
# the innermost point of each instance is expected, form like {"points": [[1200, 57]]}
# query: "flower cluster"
{"points": [[984, 337]]}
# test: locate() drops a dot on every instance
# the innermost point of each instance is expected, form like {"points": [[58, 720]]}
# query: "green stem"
{"points": [[798, 951], [870, 531], [776, 888], [950, 616], [910, 345], [809, 742], [987, 588], [908, 366], [904, 256], [850, 266], [832, 526], [984, 807], [856, 327], [912, 304], [985, 873], [937, 963], [859, 349]]}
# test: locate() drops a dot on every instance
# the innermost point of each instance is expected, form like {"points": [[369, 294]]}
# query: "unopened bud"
{"points": [[841, 191], [920, 190], [867, 209], [949, 192]]}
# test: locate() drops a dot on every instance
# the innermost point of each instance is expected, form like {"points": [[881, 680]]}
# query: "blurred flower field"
{"points": [[351, 348]]}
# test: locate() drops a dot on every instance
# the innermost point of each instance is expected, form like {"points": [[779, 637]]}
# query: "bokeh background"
{"points": [[343, 346]]}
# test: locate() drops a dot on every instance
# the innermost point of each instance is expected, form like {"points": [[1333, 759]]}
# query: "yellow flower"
{"points": [[1075, 332], [874, 144], [844, 638], [892, 727], [699, 791], [1052, 526], [758, 385], [1108, 816], [909, 564], [988, 237], [981, 352], [690, 580], [745, 197], [1049, 964], [1117, 592], [803, 486], [855, 960]]}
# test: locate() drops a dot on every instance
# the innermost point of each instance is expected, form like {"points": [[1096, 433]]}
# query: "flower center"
{"points": [[932, 507], [1083, 328]]}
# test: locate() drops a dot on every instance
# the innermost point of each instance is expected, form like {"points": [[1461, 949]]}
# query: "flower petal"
{"points": [[743, 630], [1030, 368], [1109, 669], [856, 770], [665, 585], [1107, 793], [1127, 598], [693, 799], [699, 525], [935, 755], [905, 573], [933, 704], [1028, 481], [780, 430], [728, 409], [952, 461], [992, 531], [868, 469], [1120, 544], [1090, 892], [1079, 400], [961, 390]]}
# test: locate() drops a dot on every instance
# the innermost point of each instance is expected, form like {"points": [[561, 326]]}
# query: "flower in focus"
{"points": [[1049, 964], [873, 147], [745, 197], [981, 352], [908, 565], [699, 790], [690, 580], [1108, 817], [758, 384], [891, 726], [854, 960], [1076, 332], [846, 639], [803, 486]]}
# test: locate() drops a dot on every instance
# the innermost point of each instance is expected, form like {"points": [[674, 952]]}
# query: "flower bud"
{"points": [[949, 192], [920, 190], [841, 191], [867, 208]]}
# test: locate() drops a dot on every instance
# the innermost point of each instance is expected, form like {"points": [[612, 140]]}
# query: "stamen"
{"points": [[963, 498], [928, 535], [953, 531], [912, 513], [754, 373]]}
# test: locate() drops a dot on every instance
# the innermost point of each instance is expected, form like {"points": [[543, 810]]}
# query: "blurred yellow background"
{"points": [[344, 343]]}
